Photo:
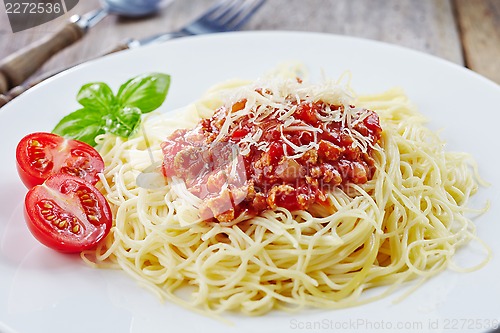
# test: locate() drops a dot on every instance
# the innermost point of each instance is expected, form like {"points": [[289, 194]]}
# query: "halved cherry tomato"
{"points": [[67, 214], [40, 155]]}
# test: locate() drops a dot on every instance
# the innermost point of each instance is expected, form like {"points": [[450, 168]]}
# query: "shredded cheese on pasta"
{"points": [[404, 224]]}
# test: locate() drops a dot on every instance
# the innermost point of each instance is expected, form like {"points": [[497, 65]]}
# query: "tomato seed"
{"points": [[76, 228]]}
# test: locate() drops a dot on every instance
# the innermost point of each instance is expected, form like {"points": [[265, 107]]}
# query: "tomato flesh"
{"points": [[40, 155], [67, 214]]}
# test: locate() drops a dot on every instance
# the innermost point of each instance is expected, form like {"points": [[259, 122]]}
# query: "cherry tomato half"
{"points": [[40, 155], [67, 214]]}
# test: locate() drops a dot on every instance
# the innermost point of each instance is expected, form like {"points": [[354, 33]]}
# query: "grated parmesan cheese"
{"points": [[279, 99]]}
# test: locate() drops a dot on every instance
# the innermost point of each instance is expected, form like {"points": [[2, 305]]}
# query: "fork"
{"points": [[224, 16]]}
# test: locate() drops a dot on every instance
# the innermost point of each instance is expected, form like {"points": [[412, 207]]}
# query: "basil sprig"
{"points": [[120, 114]]}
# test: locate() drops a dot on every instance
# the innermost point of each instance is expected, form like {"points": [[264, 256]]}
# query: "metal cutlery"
{"points": [[19, 66], [224, 16]]}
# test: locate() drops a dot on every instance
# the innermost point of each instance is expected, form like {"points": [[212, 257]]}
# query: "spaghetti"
{"points": [[404, 223]]}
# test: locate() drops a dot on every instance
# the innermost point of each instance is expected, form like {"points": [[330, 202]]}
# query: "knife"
{"points": [[125, 45], [17, 67]]}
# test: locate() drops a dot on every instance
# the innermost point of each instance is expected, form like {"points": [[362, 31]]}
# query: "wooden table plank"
{"points": [[479, 22], [426, 26]]}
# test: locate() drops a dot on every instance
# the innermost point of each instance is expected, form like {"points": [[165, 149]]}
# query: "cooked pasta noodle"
{"points": [[404, 224]]}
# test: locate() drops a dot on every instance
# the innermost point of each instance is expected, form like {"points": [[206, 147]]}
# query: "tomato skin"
{"points": [[40, 155], [67, 214]]}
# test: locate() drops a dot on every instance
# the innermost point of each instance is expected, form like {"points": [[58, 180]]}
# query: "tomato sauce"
{"points": [[264, 160]]}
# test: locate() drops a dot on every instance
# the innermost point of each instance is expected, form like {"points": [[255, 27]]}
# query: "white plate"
{"points": [[43, 291]]}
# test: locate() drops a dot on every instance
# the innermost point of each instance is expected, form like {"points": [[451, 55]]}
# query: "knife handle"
{"points": [[17, 67], [19, 89]]}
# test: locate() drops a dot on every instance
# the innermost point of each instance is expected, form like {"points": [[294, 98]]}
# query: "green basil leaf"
{"points": [[97, 95], [146, 92], [123, 122], [84, 125], [103, 112]]}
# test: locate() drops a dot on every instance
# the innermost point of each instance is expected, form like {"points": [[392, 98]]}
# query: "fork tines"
{"points": [[233, 13]]}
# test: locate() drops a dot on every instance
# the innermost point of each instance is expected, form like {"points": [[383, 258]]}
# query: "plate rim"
{"points": [[442, 61]]}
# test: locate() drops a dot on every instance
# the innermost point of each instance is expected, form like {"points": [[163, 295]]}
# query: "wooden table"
{"points": [[466, 32]]}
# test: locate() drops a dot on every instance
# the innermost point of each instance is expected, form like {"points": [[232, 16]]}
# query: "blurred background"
{"points": [[466, 32]]}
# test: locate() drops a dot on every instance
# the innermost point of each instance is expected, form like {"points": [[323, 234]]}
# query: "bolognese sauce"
{"points": [[251, 156]]}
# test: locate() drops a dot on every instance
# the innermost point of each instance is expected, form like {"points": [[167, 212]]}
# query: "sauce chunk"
{"points": [[250, 158]]}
